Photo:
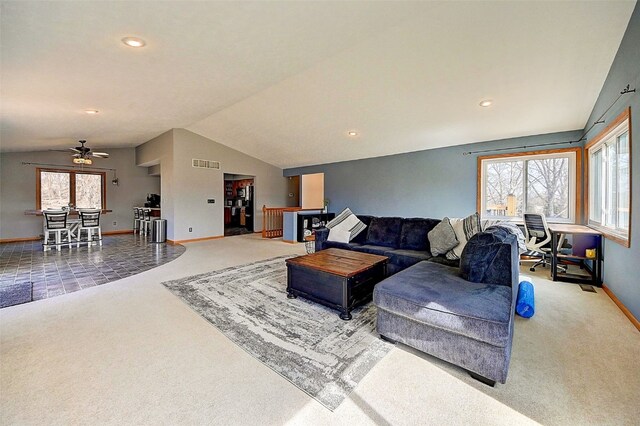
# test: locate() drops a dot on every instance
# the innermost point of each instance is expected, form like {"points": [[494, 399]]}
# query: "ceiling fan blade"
{"points": [[100, 154], [75, 150]]}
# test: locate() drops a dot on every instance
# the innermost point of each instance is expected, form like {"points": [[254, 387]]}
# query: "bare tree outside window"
{"points": [[536, 183], [503, 189], [55, 189], [548, 188], [58, 187], [88, 191]]}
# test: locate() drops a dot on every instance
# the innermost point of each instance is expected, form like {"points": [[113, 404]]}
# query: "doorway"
{"points": [[239, 197], [293, 191]]}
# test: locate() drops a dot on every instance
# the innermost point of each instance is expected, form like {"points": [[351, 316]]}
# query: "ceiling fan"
{"points": [[82, 154]]}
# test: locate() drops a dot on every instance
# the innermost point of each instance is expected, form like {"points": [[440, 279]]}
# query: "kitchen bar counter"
{"points": [[155, 211]]}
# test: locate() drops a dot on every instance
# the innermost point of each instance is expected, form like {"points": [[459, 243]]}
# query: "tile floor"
{"points": [[53, 273]]}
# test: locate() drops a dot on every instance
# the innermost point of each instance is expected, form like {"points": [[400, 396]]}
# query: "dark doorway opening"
{"points": [[239, 204]]}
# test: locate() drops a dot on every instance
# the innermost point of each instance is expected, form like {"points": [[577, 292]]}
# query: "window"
{"points": [[609, 183], [530, 182], [59, 188]]}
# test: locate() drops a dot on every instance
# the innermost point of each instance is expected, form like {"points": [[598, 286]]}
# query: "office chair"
{"points": [[538, 240]]}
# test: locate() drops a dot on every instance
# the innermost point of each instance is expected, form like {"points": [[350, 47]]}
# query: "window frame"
{"points": [[598, 143], [72, 184], [575, 202]]}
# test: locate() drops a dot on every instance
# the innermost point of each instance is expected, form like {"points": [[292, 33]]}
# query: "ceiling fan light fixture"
{"points": [[134, 42], [80, 160]]}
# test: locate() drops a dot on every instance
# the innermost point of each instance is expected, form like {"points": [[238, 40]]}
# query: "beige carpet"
{"points": [[130, 352]]}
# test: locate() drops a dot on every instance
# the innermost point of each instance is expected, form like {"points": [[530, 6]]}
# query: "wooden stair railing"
{"points": [[272, 220]]}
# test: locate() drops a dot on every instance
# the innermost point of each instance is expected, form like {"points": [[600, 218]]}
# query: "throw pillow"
{"points": [[339, 235], [442, 238], [464, 229], [346, 221]]}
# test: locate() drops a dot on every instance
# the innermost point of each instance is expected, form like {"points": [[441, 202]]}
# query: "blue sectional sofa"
{"points": [[404, 241], [459, 311]]}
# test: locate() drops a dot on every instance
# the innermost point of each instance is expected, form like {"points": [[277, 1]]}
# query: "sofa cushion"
{"points": [[371, 249], [413, 235], [406, 258], [392, 268], [362, 237], [436, 295], [384, 231], [442, 260], [442, 237], [335, 244]]}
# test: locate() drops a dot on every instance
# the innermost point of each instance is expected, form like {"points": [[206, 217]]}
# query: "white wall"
{"points": [[159, 152], [194, 186], [18, 190], [312, 191], [185, 189]]}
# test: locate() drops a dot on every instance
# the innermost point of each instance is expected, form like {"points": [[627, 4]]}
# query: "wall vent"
{"points": [[205, 164]]}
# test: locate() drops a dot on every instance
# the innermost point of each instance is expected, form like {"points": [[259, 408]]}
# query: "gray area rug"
{"points": [[304, 342], [15, 294]]}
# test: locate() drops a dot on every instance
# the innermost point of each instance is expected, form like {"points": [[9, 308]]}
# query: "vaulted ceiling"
{"points": [[286, 81]]}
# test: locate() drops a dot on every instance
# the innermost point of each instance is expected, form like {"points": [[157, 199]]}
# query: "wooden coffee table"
{"points": [[339, 279]]}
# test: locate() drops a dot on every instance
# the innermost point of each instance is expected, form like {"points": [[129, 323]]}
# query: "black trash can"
{"points": [[159, 231]]}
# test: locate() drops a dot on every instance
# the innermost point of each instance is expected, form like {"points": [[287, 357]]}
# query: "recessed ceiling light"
{"points": [[133, 41], [91, 111], [486, 103], [352, 133]]}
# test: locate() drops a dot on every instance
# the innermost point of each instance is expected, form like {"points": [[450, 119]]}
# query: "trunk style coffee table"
{"points": [[339, 279]]}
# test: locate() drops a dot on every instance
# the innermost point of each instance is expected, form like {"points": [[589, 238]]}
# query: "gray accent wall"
{"points": [[442, 182], [18, 190], [622, 266], [432, 183]]}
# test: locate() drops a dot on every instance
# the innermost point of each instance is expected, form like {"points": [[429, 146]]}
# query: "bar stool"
{"points": [[145, 225], [137, 218], [56, 223], [90, 222]]}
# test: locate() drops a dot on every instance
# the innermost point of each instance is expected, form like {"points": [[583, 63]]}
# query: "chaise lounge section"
{"points": [[462, 315]]}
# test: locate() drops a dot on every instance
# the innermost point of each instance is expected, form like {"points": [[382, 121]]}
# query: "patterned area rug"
{"points": [[304, 342]]}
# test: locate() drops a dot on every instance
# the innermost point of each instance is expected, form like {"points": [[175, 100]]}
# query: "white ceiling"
{"points": [[286, 81]]}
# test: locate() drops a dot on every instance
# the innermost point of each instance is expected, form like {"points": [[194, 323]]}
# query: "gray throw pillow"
{"points": [[442, 238]]}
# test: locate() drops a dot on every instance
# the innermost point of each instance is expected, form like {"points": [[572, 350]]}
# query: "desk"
{"points": [[558, 231]]}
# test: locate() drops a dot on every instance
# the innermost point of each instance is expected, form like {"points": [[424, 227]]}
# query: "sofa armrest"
{"points": [[321, 237], [491, 257]]}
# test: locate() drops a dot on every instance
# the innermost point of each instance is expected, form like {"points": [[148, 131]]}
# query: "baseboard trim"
{"points": [[120, 232], [623, 308], [194, 240], [19, 240]]}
